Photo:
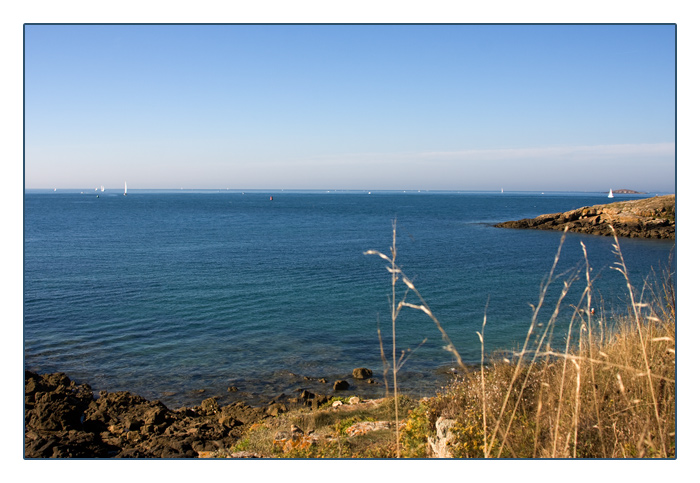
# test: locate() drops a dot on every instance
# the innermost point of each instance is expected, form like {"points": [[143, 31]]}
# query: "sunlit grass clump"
{"points": [[596, 401]]}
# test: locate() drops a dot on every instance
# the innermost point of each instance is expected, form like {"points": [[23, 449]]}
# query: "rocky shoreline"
{"points": [[65, 420], [646, 218]]}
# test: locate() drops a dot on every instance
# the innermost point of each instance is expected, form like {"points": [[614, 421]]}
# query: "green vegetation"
{"points": [[324, 433]]}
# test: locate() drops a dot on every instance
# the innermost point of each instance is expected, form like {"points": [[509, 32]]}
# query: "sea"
{"points": [[247, 295]]}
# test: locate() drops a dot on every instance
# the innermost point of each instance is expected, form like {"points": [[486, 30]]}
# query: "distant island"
{"points": [[627, 192], [647, 218]]}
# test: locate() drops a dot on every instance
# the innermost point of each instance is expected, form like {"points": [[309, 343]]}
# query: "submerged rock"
{"points": [[340, 385], [361, 373]]}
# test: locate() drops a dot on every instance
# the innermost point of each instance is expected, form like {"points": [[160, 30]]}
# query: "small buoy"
{"points": [[270, 198]]}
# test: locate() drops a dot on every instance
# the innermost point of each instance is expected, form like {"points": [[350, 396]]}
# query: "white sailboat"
{"points": [[124, 188], [610, 195]]}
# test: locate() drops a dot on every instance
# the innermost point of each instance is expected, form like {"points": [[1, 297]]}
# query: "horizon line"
{"points": [[417, 190]]}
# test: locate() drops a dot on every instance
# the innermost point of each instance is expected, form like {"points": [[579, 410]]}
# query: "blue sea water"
{"points": [[166, 294]]}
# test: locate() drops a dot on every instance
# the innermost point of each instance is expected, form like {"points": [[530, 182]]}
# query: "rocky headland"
{"points": [[647, 218]]}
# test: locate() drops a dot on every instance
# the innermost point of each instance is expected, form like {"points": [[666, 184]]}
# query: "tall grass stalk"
{"points": [[622, 268], [483, 381], [589, 315], [396, 308], [384, 361], [533, 324]]}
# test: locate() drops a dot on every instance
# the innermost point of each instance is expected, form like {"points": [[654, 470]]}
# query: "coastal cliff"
{"points": [[647, 218]]}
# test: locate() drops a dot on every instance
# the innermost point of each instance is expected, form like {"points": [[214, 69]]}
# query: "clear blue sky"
{"points": [[472, 107]]}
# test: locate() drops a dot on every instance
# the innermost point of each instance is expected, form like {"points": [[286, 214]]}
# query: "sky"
{"points": [[455, 107]]}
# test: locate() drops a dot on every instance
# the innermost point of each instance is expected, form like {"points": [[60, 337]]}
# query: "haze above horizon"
{"points": [[431, 107]]}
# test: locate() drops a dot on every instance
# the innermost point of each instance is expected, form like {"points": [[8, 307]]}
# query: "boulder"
{"points": [[275, 409], [308, 398], [307, 395], [341, 385], [361, 373], [210, 406], [54, 403]]}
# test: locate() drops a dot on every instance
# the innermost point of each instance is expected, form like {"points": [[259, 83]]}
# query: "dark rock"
{"points": [[54, 403], [53, 412], [318, 401], [341, 385], [210, 406], [276, 409], [54, 409], [308, 398], [361, 373], [228, 420], [279, 398], [63, 420]]}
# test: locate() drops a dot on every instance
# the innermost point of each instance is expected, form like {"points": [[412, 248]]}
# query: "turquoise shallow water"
{"points": [[168, 293]]}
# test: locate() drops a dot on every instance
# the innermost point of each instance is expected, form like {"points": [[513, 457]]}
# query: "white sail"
{"points": [[610, 195], [124, 188]]}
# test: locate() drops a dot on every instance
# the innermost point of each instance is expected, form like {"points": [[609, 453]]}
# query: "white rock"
{"points": [[440, 445]]}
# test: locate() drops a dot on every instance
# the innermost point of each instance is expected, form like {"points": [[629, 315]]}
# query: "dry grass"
{"points": [[610, 393]]}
